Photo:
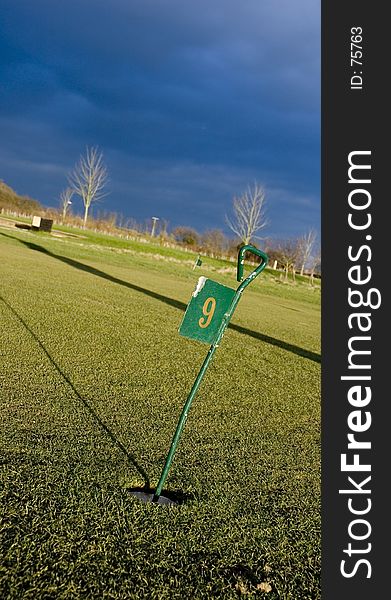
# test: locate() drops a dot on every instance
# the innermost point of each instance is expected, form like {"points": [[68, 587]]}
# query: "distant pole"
{"points": [[154, 219], [66, 206]]}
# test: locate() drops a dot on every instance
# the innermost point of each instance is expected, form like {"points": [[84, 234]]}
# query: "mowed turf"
{"points": [[93, 377]]}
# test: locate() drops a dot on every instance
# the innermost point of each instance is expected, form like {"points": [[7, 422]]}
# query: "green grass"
{"points": [[93, 378]]}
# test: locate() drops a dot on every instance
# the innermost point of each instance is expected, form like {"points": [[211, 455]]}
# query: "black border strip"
{"points": [[354, 120]]}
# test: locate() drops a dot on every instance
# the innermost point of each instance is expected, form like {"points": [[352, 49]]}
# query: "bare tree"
{"points": [[315, 263], [248, 214], [272, 249], [163, 232], [89, 178], [288, 251], [306, 245], [134, 225], [66, 200], [214, 242]]}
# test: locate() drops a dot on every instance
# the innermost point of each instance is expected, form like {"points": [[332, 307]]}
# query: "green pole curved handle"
{"points": [[258, 270], [212, 349]]}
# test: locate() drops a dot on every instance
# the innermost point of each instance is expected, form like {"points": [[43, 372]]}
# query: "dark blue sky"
{"points": [[189, 101]]}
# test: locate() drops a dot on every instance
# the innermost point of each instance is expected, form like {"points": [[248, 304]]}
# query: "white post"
{"points": [[154, 219]]}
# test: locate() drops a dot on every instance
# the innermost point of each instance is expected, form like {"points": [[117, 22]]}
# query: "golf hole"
{"points": [[168, 498]]}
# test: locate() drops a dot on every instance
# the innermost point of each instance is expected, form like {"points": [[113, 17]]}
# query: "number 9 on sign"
{"points": [[205, 311], [208, 311]]}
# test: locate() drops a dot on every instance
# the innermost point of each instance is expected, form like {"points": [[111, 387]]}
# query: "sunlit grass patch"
{"points": [[93, 377]]}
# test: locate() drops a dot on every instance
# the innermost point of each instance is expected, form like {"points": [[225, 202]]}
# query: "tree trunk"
{"points": [[86, 214]]}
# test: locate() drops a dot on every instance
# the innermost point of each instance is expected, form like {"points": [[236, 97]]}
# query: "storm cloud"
{"points": [[189, 101]]}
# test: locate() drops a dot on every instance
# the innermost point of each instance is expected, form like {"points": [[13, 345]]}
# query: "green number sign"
{"points": [[205, 311]]}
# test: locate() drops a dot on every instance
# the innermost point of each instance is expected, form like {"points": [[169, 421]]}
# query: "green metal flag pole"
{"points": [[224, 324]]}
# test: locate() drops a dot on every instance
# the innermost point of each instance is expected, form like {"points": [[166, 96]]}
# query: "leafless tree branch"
{"points": [[89, 178], [66, 200], [306, 245], [248, 214]]}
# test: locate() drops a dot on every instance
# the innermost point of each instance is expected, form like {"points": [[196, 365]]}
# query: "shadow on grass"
{"points": [[145, 494], [170, 301], [91, 411]]}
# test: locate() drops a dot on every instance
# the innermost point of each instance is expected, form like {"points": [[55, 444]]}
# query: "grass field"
{"points": [[93, 378]]}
